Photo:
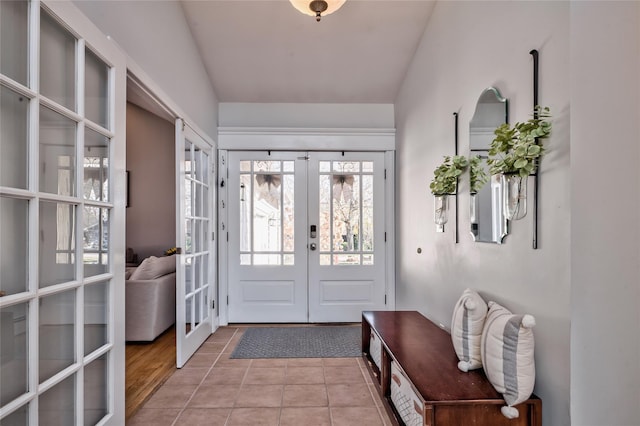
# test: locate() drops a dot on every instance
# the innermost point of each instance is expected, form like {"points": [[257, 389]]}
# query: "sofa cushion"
{"points": [[154, 267]]}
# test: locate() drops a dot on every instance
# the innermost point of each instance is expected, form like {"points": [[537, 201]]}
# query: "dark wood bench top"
{"points": [[425, 352]]}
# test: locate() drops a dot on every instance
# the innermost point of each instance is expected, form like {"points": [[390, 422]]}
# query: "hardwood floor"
{"points": [[148, 366]]}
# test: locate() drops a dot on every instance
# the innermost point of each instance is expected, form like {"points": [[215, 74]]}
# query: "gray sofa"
{"points": [[150, 301]]}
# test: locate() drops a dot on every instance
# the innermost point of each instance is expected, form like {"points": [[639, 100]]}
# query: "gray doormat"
{"points": [[300, 342]]}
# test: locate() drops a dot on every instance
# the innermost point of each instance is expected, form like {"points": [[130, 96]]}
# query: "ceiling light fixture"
{"points": [[317, 8]]}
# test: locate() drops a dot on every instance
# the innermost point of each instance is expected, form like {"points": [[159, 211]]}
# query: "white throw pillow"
{"points": [[154, 267], [467, 323], [507, 355]]}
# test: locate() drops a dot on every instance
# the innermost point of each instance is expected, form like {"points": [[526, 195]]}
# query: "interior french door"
{"points": [[306, 236], [62, 218], [194, 234]]}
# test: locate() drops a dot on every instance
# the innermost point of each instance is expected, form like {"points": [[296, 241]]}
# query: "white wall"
{"points": [[468, 46], [605, 201], [156, 36], [370, 116]]}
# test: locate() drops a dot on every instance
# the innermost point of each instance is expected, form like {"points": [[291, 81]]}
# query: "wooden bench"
{"points": [[414, 367]]}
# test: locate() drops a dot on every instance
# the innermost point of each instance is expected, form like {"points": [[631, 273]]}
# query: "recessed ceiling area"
{"points": [[267, 51]]}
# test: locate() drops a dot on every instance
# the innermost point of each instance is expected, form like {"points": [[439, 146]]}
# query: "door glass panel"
{"points": [[57, 153], [245, 215], [13, 134], [267, 212], [96, 241], [188, 314], [197, 276], [266, 166], [13, 352], [14, 38], [96, 86], [289, 259], [20, 417], [324, 166], [266, 259], [288, 216], [188, 275], [57, 406], [96, 166], [56, 333], [57, 243], [96, 297], [96, 383], [346, 212], [14, 249], [57, 62]]}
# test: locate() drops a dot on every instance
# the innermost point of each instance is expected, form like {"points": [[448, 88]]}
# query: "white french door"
{"points": [[306, 236], [62, 218], [194, 233]]}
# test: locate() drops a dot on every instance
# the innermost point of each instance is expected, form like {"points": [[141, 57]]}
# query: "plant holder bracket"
{"points": [[455, 133], [536, 183]]}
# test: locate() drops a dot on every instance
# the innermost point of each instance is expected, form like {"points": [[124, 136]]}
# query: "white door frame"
{"points": [[318, 140]]}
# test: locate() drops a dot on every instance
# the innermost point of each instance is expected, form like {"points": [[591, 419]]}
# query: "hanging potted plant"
{"points": [[514, 154], [445, 183], [477, 178]]}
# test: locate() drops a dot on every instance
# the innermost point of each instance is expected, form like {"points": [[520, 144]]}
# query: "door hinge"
{"points": [[227, 236], [227, 300], [385, 236], [385, 299], [213, 303], [213, 236], [385, 174]]}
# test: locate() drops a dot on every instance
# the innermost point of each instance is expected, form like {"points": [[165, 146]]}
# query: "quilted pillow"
{"points": [[154, 267], [507, 355], [466, 329]]}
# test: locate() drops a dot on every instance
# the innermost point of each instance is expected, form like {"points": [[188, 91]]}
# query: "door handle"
{"points": [[312, 246]]}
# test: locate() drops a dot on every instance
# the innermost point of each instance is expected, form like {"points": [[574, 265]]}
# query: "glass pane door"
{"points": [[195, 278], [61, 348]]}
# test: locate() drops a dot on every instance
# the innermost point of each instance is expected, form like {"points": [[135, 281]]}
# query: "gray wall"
{"points": [[151, 215], [466, 47], [155, 35], [605, 213]]}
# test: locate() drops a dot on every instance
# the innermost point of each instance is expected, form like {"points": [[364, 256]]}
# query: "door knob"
{"points": [[312, 246]]}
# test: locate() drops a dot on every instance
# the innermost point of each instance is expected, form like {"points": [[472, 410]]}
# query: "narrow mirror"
{"points": [[488, 222]]}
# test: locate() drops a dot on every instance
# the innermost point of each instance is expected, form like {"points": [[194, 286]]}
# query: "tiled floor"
{"points": [[214, 390]]}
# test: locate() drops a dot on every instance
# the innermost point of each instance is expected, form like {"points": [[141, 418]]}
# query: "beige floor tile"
{"points": [[187, 376], [225, 376], [231, 363], [269, 363], [349, 395], [307, 416], [355, 416], [203, 416], [154, 417], [259, 396], [305, 396], [265, 376], [254, 417], [214, 396], [304, 375], [334, 375], [304, 362], [211, 347], [339, 362], [170, 397], [201, 360]]}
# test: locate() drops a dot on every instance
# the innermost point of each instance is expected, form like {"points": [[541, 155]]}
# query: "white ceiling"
{"points": [[267, 51]]}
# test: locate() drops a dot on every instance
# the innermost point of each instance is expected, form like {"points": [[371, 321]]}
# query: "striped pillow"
{"points": [[507, 353], [466, 329]]}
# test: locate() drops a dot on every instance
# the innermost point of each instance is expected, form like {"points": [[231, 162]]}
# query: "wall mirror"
{"points": [[488, 222]]}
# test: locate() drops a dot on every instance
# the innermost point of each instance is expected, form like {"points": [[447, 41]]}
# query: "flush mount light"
{"points": [[317, 8]]}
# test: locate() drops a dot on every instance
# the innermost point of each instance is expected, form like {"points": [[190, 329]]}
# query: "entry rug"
{"points": [[300, 342]]}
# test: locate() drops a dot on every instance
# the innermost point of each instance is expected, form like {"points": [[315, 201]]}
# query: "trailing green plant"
{"points": [[477, 176], [515, 149], [445, 179]]}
